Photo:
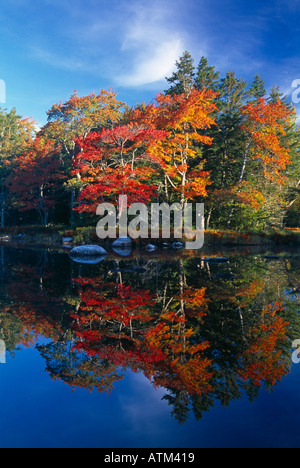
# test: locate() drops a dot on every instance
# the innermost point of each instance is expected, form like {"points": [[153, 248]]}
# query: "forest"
{"points": [[210, 139]]}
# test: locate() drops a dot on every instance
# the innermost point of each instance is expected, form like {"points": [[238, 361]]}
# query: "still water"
{"points": [[165, 350]]}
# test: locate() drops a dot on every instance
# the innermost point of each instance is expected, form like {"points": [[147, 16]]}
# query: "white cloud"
{"points": [[152, 42], [155, 67]]}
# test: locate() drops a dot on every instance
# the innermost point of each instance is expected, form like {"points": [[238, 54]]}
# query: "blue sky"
{"points": [[49, 48]]}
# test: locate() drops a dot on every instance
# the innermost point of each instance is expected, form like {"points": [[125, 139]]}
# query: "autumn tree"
{"points": [[33, 180], [263, 151], [113, 163], [263, 361], [290, 140], [184, 117], [76, 118], [16, 134]]}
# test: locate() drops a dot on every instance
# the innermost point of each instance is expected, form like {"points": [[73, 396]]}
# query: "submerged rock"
{"points": [[216, 259]]}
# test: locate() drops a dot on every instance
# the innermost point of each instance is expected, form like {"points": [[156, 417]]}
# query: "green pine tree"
{"points": [[206, 77], [182, 80], [257, 90]]}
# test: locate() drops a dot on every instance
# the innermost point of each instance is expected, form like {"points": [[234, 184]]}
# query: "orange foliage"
{"points": [[262, 360], [265, 123]]}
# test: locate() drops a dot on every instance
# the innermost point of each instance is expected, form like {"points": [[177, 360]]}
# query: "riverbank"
{"points": [[57, 237]]}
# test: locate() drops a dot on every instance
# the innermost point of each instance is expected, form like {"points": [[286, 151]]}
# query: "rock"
{"points": [[177, 245], [67, 240], [122, 246], [216, 259], [123, 252], [151, 248], [122, 243], [5, 238], [88, 260], [88, 253]]}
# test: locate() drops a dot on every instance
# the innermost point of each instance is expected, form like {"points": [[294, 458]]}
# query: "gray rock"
{"points": [[122, 251], [87, 251], [122, 246], [88, 260], [122, 243]]}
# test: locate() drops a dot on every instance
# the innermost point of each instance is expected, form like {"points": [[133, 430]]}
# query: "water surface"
{"points": [[157, 350]]}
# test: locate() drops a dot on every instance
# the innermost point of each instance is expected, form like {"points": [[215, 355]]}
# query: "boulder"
{"points": [[88, 254], [122, 243], [122, 246]]}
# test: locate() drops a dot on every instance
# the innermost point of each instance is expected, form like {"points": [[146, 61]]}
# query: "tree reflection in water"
{"points": [[203, 331]]}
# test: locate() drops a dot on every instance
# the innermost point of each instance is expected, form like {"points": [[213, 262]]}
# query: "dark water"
{"points": [[152, 351]]}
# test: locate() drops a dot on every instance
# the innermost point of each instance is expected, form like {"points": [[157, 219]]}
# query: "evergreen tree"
{"points": [[276, 95], [224, 156], [257, 90], [182, 80], [232, 94], [206, 76]]}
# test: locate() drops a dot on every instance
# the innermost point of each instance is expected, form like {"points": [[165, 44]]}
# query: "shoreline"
{"points": [[213, 240]]}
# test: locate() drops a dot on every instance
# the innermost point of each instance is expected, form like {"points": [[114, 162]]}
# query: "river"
{"points": [[155, 350]]}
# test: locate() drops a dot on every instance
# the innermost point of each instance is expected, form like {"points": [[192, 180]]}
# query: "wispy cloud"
{"points": [[153, 67], [132, 43], [153, 42]]}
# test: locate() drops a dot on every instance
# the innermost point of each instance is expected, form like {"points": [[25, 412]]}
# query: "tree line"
{"points": [[207, 138]]}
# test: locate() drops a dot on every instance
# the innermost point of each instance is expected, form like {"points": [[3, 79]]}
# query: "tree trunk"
{"points": [[209, 218], [242, 175]]}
